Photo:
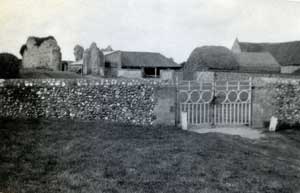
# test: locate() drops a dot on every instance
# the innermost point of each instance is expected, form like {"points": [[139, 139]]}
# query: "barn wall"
{"points": [[115, 65], [289, 69], [130, 73], [114, 58], [166, 74], [262, 69]]}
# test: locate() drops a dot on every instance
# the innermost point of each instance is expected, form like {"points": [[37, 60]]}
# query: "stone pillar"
{"points": [[93, 61], [86, 69]]}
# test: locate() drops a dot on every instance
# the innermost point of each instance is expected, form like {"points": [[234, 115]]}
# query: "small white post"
{"points": [[184, 124], [273, 124]]}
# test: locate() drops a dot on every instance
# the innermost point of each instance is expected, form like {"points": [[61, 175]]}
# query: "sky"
{"points": [[171, 27]]}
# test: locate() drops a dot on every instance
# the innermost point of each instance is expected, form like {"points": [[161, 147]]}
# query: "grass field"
{"points": [[42, 73], [44, 156]]}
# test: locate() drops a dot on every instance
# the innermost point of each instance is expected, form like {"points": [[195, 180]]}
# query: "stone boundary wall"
{"points": [[116, 100], [133, 101], [263, 98]]}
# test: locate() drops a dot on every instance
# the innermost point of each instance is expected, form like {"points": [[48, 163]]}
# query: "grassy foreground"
{"points": [[44, 156]]}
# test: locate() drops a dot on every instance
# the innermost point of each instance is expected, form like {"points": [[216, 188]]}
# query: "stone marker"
{"points": [[86, 61], [96, 59], [93, 60], [273, 123], [184, 124]]}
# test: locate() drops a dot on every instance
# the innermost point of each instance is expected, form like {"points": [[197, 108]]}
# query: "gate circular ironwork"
{"points": [[232, 96], [221, 97], [195, 96], [206, 96], [183, 96], [243, 96]]}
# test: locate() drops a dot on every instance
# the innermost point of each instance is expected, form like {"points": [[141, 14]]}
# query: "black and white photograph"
{"points": [[150, 96]]}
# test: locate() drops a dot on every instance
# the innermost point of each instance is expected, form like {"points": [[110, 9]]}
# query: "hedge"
{"points": [[9, 66]]}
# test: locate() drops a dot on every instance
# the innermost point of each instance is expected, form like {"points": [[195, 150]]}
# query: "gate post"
{"points": [[251, 103], [213, 104], [177, 110]]}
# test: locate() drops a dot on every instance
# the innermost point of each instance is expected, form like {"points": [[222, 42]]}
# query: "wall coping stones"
{"points": [[265, 82], [82, 82]]}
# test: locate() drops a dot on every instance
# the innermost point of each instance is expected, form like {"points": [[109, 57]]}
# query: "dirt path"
{"points": [[245, 132]]}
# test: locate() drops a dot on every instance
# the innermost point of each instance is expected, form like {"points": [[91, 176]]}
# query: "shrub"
{"points": [[9, 66]]}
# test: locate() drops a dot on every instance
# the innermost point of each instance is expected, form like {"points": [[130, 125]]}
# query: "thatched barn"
{"points": [[212, 58], [218, 59], [209, 58], [285, 53]]}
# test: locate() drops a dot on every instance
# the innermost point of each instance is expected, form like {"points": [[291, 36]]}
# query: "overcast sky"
{"points": [[173, 28]]}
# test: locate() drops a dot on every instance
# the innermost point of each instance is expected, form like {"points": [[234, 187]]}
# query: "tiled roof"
{"points": [[256, 61], [286, 53], [146, 59]]}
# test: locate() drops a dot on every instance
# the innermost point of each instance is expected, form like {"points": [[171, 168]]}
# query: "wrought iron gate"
{"points": [[219, 103]]}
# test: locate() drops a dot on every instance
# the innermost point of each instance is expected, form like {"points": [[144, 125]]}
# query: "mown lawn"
{"points": [[44, 156]]}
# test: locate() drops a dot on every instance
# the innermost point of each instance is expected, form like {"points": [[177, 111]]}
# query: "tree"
{"points": [[78, 52], [9, 66]]}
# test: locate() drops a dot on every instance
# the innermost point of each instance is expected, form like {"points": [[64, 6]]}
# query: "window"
{"points": [[151, 73], [107, 65]]}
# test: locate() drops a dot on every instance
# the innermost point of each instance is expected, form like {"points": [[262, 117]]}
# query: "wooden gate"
{"points": [[216, 104]]}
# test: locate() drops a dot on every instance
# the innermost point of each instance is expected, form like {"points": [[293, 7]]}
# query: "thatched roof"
{"points": [[257, 62], [286, 53], [211, 58], [146, 59]]}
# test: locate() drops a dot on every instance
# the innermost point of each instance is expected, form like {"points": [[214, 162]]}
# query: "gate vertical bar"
{"points": [[250, 101]]}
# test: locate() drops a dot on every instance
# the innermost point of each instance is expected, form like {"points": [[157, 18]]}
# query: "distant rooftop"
{"points": [[141, 59], [257, 62], [147, 59], [286, 53]]}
